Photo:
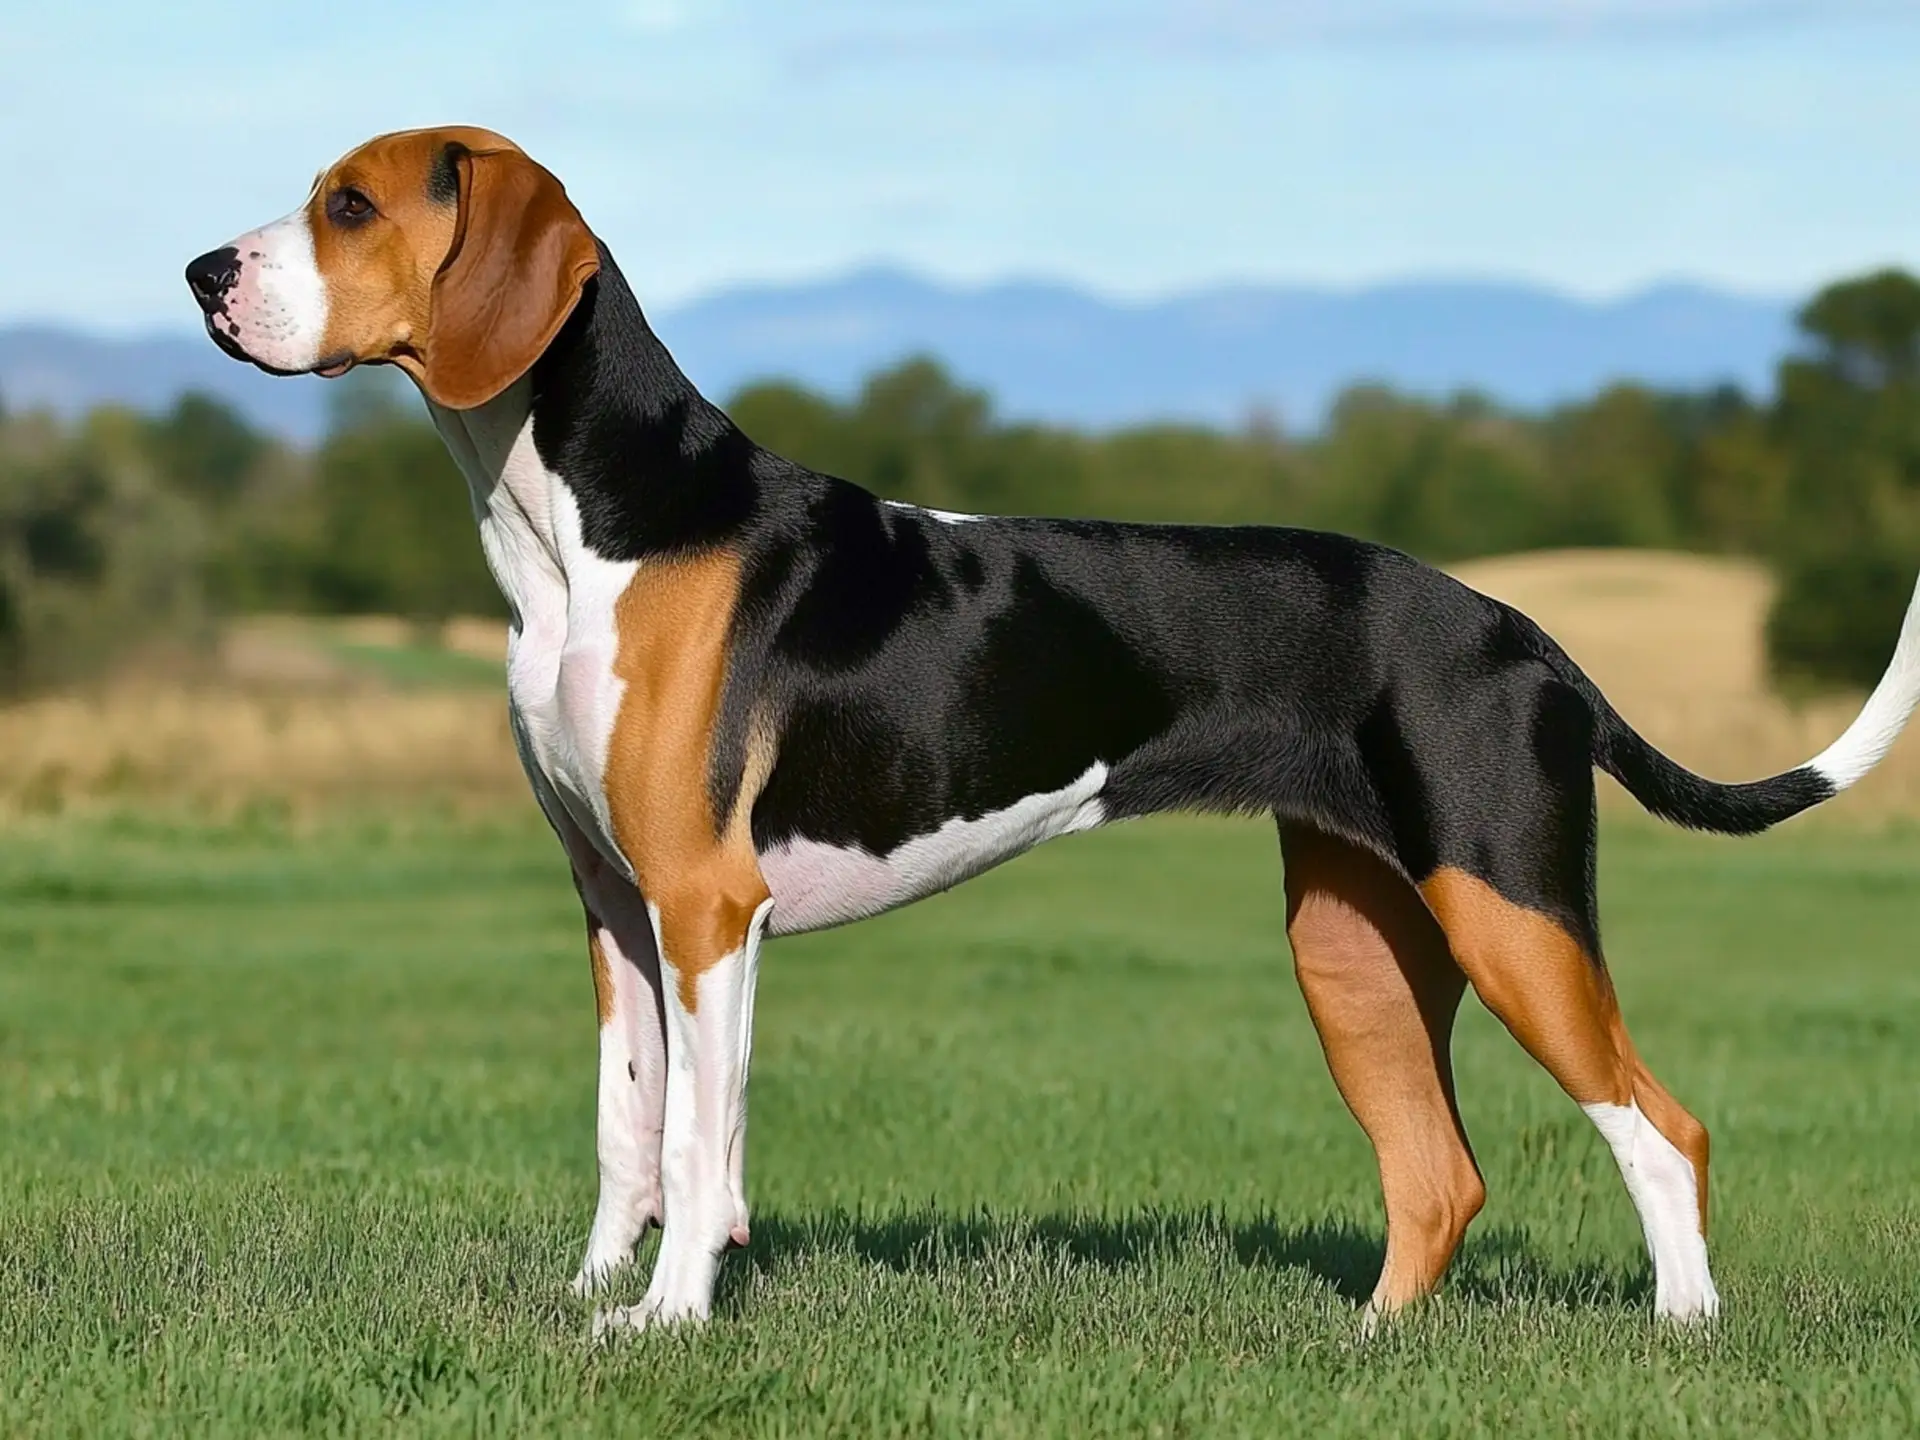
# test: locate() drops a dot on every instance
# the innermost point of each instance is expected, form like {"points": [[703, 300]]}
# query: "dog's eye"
{"points": [[348, 206]]}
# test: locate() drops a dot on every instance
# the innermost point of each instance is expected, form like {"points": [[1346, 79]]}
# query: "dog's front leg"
{"points": [[633, 1074], [709, 958]]}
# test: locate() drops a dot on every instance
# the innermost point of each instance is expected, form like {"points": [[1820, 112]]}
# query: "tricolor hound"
{"points": [[755, 700]]}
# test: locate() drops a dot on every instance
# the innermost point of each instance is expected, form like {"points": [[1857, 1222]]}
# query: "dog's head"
{"points": [[446, 252]]}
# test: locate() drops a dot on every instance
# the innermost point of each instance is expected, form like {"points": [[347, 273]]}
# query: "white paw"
{"points": [[610, 1246], [610, 1320], [1691, 1306], [1371, 1319], [595, 1273]]}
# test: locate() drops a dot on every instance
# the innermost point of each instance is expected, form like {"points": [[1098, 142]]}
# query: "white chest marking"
{"points": [[562, 642], [816, 885]]}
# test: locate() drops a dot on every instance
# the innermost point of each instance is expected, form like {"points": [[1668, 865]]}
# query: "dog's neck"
{"points": [[655, 467], [652, 467], [608, 351]]}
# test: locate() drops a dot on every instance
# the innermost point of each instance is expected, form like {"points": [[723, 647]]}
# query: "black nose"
{"points": [[212, 275]]}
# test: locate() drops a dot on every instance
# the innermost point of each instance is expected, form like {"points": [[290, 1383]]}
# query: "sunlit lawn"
{"points": [[296, 1134]]}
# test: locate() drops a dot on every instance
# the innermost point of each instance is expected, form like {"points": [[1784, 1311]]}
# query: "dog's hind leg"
{"points": [[1383, 990], [1554, 995]]}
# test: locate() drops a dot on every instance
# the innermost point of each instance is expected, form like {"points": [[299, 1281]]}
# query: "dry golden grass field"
{"points": [[1676, 643], [306, 713]]}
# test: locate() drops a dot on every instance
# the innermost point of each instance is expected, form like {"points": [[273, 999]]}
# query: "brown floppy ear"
{"points": [[520, 257]]}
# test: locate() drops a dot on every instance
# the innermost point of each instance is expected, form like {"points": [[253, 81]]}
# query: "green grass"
{"points": [[296, 1134]]}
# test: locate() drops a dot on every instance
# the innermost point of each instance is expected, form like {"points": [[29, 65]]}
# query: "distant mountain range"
{"points": [[1052, 352]]}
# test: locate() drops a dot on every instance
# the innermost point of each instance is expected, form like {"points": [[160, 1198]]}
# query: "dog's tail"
{"points": [[1675, 793]]}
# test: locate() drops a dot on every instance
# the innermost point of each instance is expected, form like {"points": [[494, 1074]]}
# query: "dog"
{"points": [[755, 700]]}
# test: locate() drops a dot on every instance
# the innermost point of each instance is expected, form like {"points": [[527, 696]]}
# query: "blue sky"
{"points": [[1137, 147]]}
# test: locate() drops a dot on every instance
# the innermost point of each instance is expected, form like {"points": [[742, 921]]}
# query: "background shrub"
{"points": [[1835, 618]]}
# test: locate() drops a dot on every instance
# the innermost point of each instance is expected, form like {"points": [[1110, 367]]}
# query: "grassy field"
{"points": [[296, 1135]]}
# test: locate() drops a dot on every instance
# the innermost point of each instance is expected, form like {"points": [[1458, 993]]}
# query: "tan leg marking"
{"points": [[1559, 1003], [1383, 991], [602, 978], [699, 872]]}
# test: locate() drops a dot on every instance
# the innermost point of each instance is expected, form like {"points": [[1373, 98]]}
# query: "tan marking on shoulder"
{"points": [[673, 623]]}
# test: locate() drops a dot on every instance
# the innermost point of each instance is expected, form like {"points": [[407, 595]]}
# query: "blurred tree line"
{"points": [[124, 529]]}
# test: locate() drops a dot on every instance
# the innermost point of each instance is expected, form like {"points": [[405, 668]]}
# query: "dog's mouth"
{"points": [[330, 368], [215, 322]]}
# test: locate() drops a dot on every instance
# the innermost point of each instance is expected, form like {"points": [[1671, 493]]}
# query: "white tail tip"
{"points": [[1882, 718]]}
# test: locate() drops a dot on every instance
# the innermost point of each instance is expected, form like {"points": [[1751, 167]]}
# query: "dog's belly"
{"points": [[816, 884]]}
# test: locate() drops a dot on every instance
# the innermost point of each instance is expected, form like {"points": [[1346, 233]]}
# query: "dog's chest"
{"points": [[562, 645], [562, 687]]}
